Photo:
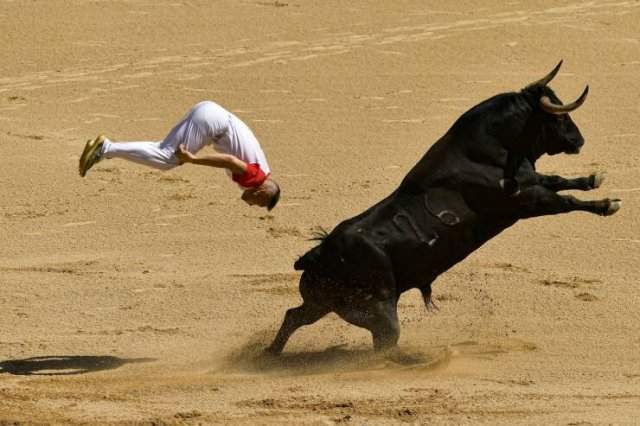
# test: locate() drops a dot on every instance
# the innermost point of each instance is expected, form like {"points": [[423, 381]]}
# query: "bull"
{"points": [[474, 182]]}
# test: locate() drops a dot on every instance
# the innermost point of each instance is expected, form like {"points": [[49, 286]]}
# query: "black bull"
{"points": [[472, 184]]}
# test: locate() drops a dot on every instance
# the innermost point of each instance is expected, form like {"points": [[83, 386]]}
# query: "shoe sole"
{"points": [[89, 149]]}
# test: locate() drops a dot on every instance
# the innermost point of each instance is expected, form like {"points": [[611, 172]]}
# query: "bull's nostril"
{"points": [[573, 146]]}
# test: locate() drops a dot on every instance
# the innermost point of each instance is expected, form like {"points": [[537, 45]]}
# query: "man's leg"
{"points": [[161, 155], [190, 132], [150, 154]]}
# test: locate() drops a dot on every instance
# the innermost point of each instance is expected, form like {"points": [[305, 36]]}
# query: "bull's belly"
{"points": [[420, 265], [418, 261]]}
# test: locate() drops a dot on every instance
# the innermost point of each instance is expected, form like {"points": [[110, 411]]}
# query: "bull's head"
{"points": [[558, 132]]}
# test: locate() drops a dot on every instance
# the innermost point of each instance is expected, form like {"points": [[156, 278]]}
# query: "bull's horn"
{"points": [[551, 108], [546, 79]]}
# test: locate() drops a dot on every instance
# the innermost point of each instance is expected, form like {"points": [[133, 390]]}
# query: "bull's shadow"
{"points": [[64, 365], [253, 358]]}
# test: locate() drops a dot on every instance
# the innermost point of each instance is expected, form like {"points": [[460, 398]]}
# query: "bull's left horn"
{"points": [[551, 108], [547, 78]]}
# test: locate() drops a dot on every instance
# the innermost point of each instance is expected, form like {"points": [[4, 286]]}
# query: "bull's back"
{"points": [[400, 226], [334, 249]]}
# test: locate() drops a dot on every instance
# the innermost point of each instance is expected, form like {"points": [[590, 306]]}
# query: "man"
{"points": [[238, 151]]}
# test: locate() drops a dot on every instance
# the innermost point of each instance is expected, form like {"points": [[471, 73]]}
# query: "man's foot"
{"points": [[91, 155]]}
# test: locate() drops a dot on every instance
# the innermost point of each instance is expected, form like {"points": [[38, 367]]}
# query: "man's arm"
{"points": [[223, 161]]}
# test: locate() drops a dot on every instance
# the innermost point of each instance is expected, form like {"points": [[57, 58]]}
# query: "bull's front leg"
{"points": [[540, 201], [558, 183]]}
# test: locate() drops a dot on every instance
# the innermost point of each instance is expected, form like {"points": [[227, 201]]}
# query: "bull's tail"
{"points": [[319, 234], [308, 260], [312, 257]]}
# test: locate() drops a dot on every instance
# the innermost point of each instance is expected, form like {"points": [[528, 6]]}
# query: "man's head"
{"points": [[266, 195]]}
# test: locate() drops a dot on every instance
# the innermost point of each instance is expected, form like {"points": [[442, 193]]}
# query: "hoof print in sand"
{"points": [[586, 297]]}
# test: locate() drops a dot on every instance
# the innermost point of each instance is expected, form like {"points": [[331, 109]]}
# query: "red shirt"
{"points": [[252, 177]]}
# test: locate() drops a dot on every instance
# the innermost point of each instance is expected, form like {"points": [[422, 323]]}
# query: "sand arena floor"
{"points": [[139, 297]]}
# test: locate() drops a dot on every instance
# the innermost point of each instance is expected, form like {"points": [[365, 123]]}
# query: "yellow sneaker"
{"points": [[91, 154]]}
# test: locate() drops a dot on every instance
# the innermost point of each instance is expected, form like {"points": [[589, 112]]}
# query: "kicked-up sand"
{"points": [[134, 296]]}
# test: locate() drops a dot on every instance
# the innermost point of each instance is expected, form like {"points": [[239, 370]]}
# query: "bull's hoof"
{"points": [[272, 351], [614, 206], [595, 180], [386, 342]]}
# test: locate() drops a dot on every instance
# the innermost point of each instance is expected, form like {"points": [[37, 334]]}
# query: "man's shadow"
{"points": [[64, 365]]}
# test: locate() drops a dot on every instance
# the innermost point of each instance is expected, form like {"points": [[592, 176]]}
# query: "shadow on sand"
{"points": [[252, 358], [64, 365]]}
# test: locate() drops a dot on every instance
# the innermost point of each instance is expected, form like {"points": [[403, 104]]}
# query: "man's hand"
{"points": [[183, 155], [223, 161]]}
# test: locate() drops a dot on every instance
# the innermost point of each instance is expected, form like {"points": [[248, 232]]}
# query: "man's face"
{"points": [[256, 197]]}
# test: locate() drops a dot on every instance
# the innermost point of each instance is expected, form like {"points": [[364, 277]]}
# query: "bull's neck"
{"points": [[533, 138]]}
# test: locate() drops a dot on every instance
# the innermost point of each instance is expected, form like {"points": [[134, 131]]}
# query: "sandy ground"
{"points": [[139, 297]]}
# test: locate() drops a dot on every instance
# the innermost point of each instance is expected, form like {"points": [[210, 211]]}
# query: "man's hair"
{"points": [[275, 197]]}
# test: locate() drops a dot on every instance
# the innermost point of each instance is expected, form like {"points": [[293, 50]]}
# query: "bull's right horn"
{"points": [[551, 108], [547, 78]]}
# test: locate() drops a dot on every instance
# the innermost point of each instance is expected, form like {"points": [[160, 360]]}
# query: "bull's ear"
{"points": [[546, 79]]}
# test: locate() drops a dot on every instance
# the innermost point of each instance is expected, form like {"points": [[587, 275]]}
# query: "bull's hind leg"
{"points": [[295, 318], [309, 312], [386, 327], [380, 318]]}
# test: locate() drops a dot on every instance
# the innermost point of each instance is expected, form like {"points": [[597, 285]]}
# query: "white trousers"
{"points": [[193, 131]]}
